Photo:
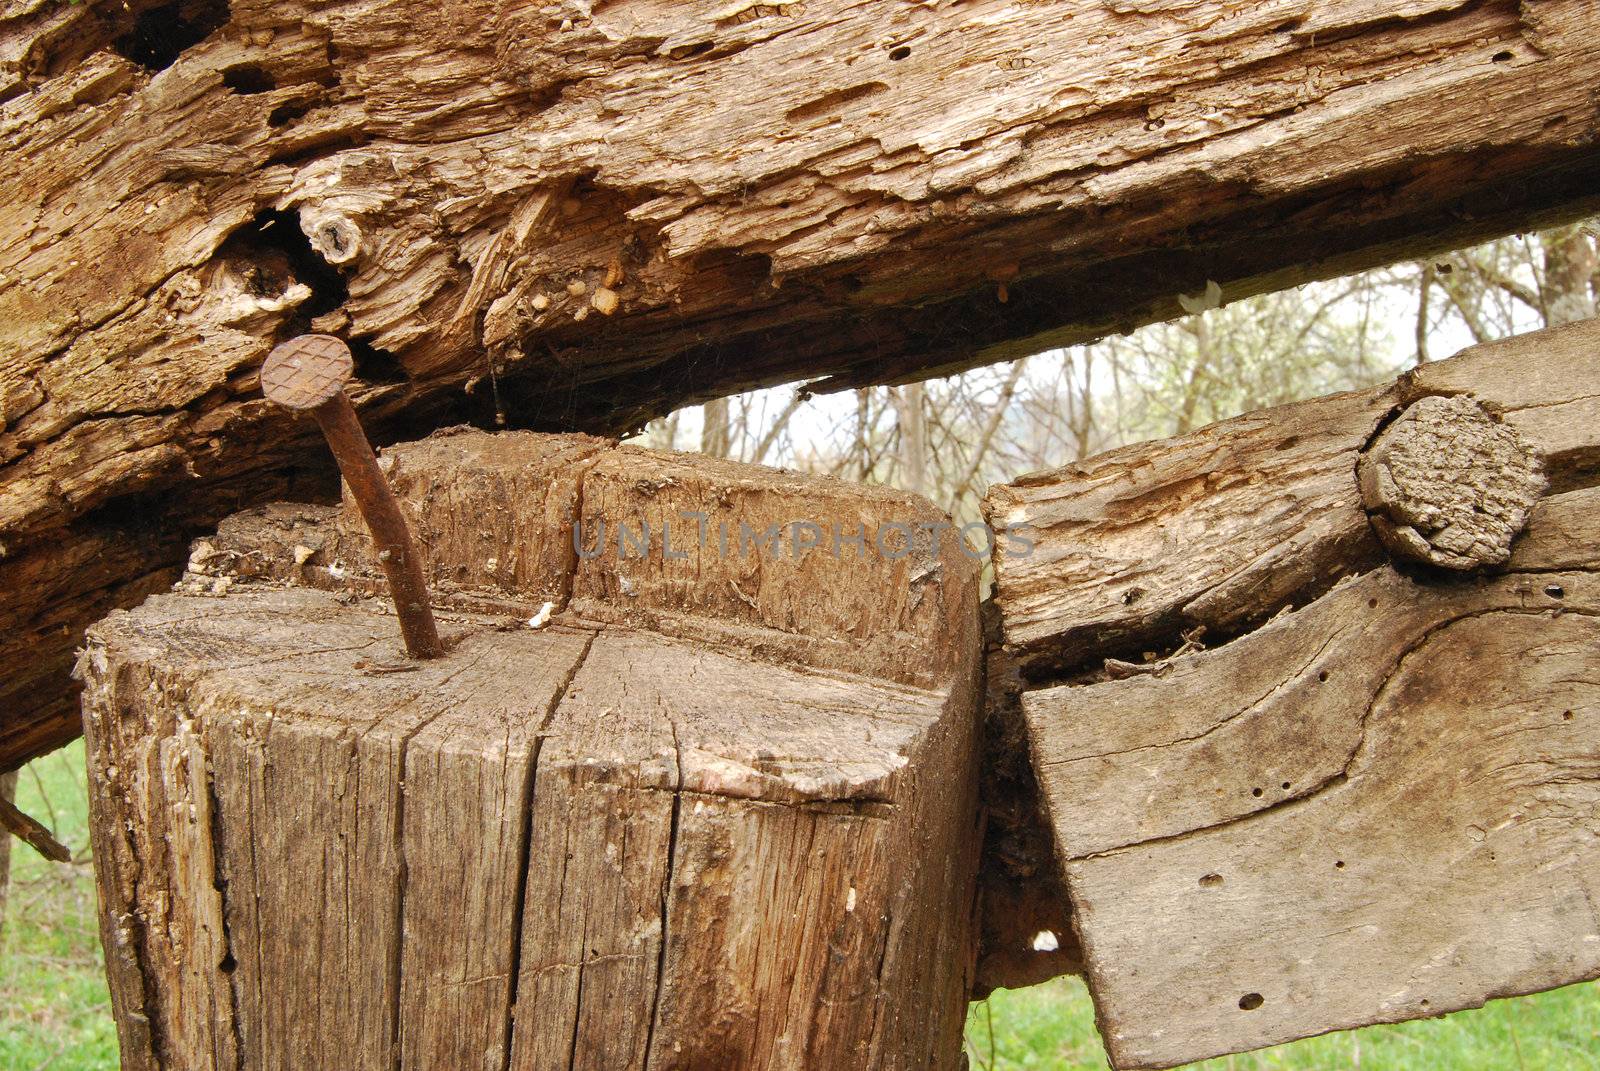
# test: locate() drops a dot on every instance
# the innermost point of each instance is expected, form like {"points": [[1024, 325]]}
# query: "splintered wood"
{"points": [[588, 214], [1296, 787], [664, 829]]}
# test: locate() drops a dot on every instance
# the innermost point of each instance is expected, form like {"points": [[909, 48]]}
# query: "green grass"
{"points": [[55, 1013], [1051, 1028]]}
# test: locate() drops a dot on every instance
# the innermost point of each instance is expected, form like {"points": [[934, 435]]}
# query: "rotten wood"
{"points": [[1366, 797], [1020, 893], [661, 829], [578, 216], [1223, 528], [1448, 485]]}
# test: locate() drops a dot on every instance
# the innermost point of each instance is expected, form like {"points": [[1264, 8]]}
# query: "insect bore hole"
{"points": [[248, 80]]}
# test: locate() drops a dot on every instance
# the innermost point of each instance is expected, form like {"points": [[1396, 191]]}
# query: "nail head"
{"points": [[306, 371]]}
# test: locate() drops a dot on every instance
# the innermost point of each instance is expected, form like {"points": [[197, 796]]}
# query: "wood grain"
{"points": [[1337, 790], [1228, 526], [1412, 835], [580, 216], [588, 845]]}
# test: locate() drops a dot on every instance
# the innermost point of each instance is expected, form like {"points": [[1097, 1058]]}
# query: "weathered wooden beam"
{"points": [[1297, 785], [1223, 528], [673, 826], [584, 216]]}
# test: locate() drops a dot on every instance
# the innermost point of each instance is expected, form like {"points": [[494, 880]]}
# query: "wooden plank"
{"points": [[678, 544], [1410, 836], [842, 576], [647, 203], [767, 916], [1226, 527], [490, 513], [1365, 796]]}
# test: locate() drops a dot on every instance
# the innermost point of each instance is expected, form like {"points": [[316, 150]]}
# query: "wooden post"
{"points": [[1312, 698], [718, 812]]}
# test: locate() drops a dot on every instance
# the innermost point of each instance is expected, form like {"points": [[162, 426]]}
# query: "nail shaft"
{"points": [[396, 551], [308, 373]]}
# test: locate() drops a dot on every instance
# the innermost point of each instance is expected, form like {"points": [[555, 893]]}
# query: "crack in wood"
{"points": [[1421, 761], [894, 194], [530, 800], [674, 826]]}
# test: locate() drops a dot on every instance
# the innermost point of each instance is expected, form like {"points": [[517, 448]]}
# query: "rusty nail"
{"points": [[308, 374]]}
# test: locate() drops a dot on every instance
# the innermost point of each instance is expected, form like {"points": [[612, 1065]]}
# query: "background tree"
{"points": [[8, 792], [950, 438]]}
